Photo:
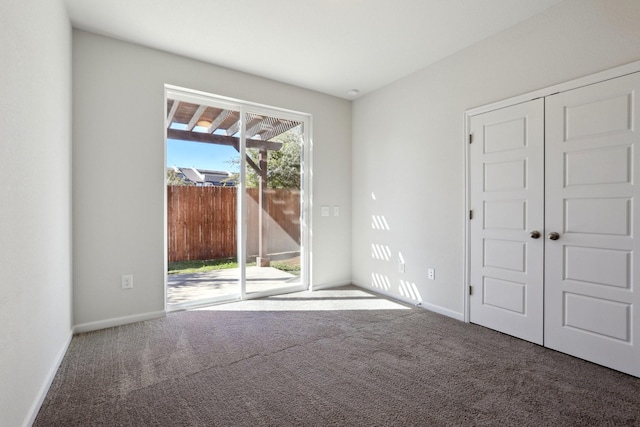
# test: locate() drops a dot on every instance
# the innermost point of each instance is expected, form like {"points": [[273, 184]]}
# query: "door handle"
{"points": [[553, 236], [535, 234]]}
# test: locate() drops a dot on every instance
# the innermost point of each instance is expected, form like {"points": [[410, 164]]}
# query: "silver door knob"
{"points": [[535, 234], [553, 236]]}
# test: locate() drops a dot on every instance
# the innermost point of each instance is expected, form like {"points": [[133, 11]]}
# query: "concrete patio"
{"points": [[221, 284]]}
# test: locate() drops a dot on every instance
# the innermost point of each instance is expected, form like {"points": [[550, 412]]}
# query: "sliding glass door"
{"points": [[236, 199]]}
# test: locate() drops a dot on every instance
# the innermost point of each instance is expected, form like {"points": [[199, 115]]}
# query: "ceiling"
{"points": [[331, 46]]}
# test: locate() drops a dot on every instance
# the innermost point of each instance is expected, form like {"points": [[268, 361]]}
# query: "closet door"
{"points": [[506, 197], [592, 205]]}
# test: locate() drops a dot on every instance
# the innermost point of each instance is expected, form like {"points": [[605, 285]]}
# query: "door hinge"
{"points": [[471, 214], [470, 138], [470, 290]]}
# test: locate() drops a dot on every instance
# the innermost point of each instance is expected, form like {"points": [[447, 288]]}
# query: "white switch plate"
{"points": [[127, 281], [336, 211], [431, 273], [401, 267], [324, 211]]}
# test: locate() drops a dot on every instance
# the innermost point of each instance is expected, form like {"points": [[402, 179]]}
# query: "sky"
{"points": [[200, 156]]}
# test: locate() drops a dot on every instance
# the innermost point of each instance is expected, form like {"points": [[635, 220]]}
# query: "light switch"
{"points": [[324, 211], [336, 211]]}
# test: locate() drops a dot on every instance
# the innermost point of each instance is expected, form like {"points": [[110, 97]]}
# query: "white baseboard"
{"points": [[44, 389], [117, 321], [427, 306], [441, 310]]}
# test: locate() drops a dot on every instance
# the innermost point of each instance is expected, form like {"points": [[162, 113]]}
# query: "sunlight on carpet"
{"points": [[321, 300]]}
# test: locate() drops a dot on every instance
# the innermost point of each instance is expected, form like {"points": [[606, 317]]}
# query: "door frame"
{"points": [[242, 106], [587, 80]]}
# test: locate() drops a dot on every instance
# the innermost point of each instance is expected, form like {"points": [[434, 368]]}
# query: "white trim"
{"points": [[420, 304], [165, 213], [196, 96], [200, 98], [444, 311], [48, 380], [277, 291], [466, 273], [117, 321], [623, 70], [242, 205], [307, 212]]}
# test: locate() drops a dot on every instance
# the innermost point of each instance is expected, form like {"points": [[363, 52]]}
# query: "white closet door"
{"points": [[506, 182], [592, 203]]}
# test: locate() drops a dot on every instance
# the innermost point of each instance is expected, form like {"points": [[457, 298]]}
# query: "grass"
{"points": [[286, 266], [202, 266]]}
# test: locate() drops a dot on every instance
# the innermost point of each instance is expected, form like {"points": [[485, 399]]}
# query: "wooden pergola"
{"points": [[210, 125]]}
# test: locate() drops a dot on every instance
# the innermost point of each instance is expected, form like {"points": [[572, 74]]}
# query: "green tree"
{"points": [[283, 166]]}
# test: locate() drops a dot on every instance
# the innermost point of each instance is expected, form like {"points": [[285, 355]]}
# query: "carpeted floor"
{"points": [[327, 368]]}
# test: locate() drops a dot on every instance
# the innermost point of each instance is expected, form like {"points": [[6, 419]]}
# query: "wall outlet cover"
{"points": [[127, 281]]}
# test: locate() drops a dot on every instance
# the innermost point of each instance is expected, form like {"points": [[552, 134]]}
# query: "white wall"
{"points": [[408, 145], [118, 170], [35, 206]]}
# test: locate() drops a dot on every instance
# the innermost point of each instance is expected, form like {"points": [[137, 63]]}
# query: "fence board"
{"points": [[201, 222]]}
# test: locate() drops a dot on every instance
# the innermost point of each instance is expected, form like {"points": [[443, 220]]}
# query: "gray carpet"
{"points": [[327, 368]]}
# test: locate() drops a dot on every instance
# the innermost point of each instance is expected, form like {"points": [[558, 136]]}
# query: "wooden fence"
{"points": [[202, 222]]}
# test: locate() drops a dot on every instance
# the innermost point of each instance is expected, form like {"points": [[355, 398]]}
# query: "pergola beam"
{"points": [[233, 128], [196, 117], [172, 113], [218, 120], [263, 259], [207, 138]]}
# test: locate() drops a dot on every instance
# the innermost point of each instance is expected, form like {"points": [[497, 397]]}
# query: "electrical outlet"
{"points": [[127, 281], [431, 273], [324, 211]]}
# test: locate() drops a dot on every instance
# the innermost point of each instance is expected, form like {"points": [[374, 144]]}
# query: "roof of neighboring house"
{"points": [[206, 176]]}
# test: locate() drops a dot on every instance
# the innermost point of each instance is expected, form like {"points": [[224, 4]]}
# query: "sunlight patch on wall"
{"points": [[380, 281], [381, 252], [410, 290], [379, 222]]}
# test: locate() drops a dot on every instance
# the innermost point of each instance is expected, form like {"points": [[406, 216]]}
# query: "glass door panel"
{"points": [[273, 200], [203, 173]]}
